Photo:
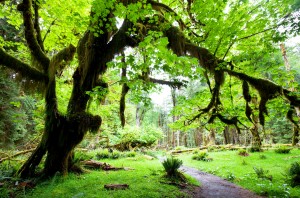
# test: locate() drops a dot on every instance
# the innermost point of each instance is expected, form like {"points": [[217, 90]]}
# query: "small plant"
{"points": [[200, 156], [230, 177], [244, 162], [103, 154], [262, 157], [253, 149], [178, 148], [243, 152], [82, 156], [282, 149], [211, 149], [171, 166], [115, 154], [196, 151], [294, 174], [261, 173], [131, 154]]}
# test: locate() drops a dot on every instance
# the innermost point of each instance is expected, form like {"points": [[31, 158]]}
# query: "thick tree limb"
{"points": [[30, 35], [23, 68], [66, 55]]}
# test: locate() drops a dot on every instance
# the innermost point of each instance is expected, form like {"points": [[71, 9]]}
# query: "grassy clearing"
{"points": [[239, 169], [146, 180]]}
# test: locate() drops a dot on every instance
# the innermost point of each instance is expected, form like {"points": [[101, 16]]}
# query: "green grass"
{"points": [[239, 169], [144, 181]]}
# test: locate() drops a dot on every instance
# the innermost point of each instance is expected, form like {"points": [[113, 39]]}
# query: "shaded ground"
{"points": [[215, 187]]}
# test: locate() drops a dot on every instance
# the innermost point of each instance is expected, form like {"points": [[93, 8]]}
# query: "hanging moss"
{"points": [[248, 112], [290, 114], [176, 40], [246, 92]]}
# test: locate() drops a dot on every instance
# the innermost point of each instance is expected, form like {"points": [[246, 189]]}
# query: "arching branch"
{"points": [[23, 68], [33, 44]]}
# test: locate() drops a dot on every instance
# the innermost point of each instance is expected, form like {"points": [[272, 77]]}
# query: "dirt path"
{"points": [[215, 187]]}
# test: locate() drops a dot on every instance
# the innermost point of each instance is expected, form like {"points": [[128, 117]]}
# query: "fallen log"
{"points": [[116, 186], [103, 166]]}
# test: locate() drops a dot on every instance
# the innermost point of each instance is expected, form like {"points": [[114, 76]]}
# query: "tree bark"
{"points": [[226, 135]]}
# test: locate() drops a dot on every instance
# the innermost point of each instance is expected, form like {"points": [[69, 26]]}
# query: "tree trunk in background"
{"points": [[139, 114], [256, 140], [295, 138], [212, 137], [173, 94], [198, 137], [226, 135], [235, 136]]}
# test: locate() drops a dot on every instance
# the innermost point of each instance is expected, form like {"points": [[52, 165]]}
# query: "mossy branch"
{"points": [[21, 67], [66, 55], [37, 25], [30, 36]]}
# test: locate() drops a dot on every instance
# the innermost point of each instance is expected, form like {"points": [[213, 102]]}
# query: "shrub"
{"points": [[171, 166], [82, 156], [103, 154], [261, 173], [253, 149], [179, 148], [282, 149], [131, 154], [196, 151], [115, 154], [243, 152], [211, 149], [230, 177], [294, 174], [201, 156]]}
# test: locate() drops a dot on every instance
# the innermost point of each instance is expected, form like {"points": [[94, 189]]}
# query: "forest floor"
{"points": [[215, 187]]}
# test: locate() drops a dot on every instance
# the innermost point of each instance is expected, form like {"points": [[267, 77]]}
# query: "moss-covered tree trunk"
{"points": [[295, 138], [64, 132]]}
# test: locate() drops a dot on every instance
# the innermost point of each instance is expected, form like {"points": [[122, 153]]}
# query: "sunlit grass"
{"points": [[144, 181], [228, 164]]}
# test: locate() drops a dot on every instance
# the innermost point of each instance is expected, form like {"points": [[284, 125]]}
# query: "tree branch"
{"points": [[165, 82], [23, 68], [65, 54], [30, 36], [37, 25]]}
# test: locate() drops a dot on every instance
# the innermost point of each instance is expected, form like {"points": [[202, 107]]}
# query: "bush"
{"points": [[261, 173], [282, 149], [201, 156], [82, 156], [131, 154], [103, 154], [243, 152], [171, 166], [211, 149], [294, 174], [138, 137], [115, 154], [253, 149], [179, 148]]}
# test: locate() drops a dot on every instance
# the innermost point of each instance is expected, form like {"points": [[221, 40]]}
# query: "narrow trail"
{"points": [[215, 187]]}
